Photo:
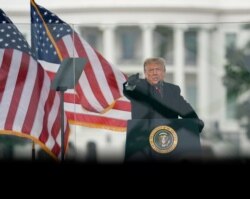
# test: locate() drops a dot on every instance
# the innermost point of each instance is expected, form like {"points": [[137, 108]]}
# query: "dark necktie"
{"points": [[158, 91]]}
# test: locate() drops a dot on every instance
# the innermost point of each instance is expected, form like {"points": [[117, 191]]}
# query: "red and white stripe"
{"points": [[28, 107], [114, 119], [100, 84]]}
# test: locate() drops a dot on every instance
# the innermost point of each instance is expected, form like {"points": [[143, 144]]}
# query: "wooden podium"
{"points": [[160, 140]]}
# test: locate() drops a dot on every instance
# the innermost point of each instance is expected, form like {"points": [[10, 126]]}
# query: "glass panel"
{"points": [[191, 47], [231, 41], [231, 106], [169, 77], [227, 118], [191, 89]]}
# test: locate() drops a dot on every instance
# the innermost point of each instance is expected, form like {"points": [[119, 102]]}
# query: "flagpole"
{"points": [[66, 78], [62, 90], [33, 151]]}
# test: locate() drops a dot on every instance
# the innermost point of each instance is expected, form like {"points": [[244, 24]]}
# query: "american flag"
{"points": [[28, 108], [97, 100]]}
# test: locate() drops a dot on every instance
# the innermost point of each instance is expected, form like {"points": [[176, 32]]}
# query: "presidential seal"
{"points": [[163, 139]]}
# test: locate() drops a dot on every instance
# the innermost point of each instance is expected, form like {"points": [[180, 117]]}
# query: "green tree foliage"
{"points": [[237, 77], [237, 80]]}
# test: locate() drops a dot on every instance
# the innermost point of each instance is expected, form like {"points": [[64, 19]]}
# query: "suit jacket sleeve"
{"points": [[186, 110]]}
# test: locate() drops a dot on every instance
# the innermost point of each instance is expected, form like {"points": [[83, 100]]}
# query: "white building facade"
{"points": [[193, 36]]}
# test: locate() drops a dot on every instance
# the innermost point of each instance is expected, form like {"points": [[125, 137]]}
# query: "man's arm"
{"points": [[187, 111], [129, 86], [132, 81]]}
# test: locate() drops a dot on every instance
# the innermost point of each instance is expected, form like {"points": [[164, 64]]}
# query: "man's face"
{"points": [[154, 73]]}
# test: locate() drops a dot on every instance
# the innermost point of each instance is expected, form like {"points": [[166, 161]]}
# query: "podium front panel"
{"points": [[140, 146]]}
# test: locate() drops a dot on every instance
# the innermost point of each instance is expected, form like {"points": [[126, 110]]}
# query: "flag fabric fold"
{"points": [[28, 107], [97, 100]]}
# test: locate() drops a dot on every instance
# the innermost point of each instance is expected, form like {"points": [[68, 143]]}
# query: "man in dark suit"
{"points": [[152, 98]]}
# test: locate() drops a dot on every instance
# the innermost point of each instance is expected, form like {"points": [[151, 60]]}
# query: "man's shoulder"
{"points": [[172, 86], [142, 82]]}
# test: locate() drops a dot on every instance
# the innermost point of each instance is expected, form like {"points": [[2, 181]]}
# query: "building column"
{"points": [[108, 42], [203, 73], [179, 73], [147, 35], [219, 71]]}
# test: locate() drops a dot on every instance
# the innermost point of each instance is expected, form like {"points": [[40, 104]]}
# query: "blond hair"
{"points": [[157, 60]]}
